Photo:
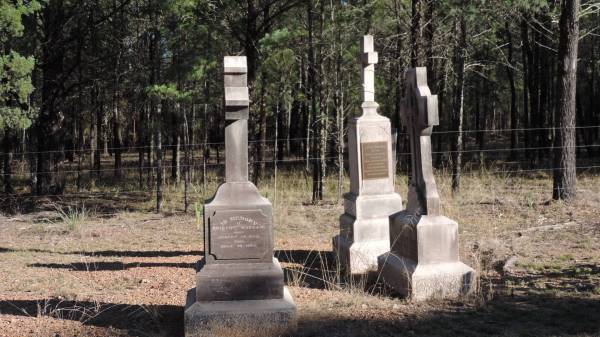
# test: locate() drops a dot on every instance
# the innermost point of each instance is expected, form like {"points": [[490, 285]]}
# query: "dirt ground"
{"points": [[125, 272]]}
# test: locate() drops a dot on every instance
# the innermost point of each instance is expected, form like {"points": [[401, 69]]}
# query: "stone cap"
{"points": [[235, 65], [236, 97], [369, 55]]}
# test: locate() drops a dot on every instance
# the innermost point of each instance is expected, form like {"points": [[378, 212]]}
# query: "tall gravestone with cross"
{"points": [[240, 286], [424, 260], [364, 226]]}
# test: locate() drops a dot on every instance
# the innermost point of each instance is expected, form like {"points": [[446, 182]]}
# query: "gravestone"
{"points": [[364, 226], [240, 287], [423, 262]]}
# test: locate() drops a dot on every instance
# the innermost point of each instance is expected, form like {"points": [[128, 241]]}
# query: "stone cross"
{"points": [[237, 104], [368, 60], [364, 226], [419, 111]]}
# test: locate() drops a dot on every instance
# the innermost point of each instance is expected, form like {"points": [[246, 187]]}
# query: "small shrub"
{"points": [[73, 217]]}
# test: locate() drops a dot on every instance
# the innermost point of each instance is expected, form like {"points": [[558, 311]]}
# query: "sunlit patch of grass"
{"points": [[73, 217], [566, 257]]}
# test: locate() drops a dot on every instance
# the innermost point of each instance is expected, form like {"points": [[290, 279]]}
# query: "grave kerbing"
{"points": [[424, 259], [364, 226], [240, 286]]}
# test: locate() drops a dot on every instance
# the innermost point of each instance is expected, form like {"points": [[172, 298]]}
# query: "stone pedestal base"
{"points": [[251, 318], [423, 282], [364, 231], [359, 257], [424, 261], [239, 281]]}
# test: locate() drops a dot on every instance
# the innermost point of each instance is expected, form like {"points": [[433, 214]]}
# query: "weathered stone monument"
{"points": [[364, 226], [240, 288], [423, 262]]}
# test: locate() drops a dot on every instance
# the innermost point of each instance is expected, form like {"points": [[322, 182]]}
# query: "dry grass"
{"points": [[124, 270]]}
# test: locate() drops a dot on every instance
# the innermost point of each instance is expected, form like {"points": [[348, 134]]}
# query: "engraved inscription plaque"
{"points": [[239, 234], [374, 160]]}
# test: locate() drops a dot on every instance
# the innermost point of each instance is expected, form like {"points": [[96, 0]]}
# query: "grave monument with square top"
{"points": [[239, 284], [364, 226], [424, 259]]}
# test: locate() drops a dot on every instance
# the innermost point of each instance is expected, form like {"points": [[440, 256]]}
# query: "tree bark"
{"points": [[514, 136], [7, 148], [415, 34], [458, 103], [525, 59], [565, 179], [428, 36], [159, 159], [176, 143], [117, 136]]}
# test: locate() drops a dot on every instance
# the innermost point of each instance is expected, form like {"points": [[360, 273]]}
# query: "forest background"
{"points": [[99, 93]]}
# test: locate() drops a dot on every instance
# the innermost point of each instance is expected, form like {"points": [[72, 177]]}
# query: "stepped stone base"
{"points": [[359, 258], [365, 231], [239, 281], [250, 318], [428, 281]]}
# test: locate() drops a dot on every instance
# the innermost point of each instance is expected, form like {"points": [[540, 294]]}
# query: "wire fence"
{"points": [[133, 148], [207, 178]]}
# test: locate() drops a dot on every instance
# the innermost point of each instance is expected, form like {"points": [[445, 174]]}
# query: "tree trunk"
{"points": [[415, 34], [159, 158], [187, 161], [176, 140], [261, 145], [525, 58], [428, 35], [441, 111], [141, 143], [7, 148], [98, 136], [459, 70], [312, 106], [564, 155], [117, 137], [513, 95], [80, 128]]}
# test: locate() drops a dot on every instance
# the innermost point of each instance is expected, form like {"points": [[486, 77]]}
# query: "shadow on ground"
{"points": [[102, 204], [505, 316], [110, 266], [319, 270], [307, 268], [137, 320]]}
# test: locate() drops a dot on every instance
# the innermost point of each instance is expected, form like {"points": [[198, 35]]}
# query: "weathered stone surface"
{"points": [[252, 318], [240, 208], [368, 59], [239, 234], [240, 285], [364, 226], [426, 281], [424, 259], [236, 96], [236, 155], [239, 281], [369, 128]]}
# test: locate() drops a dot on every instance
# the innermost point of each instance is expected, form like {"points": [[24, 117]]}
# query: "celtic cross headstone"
{"points": [[424, 259]]}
